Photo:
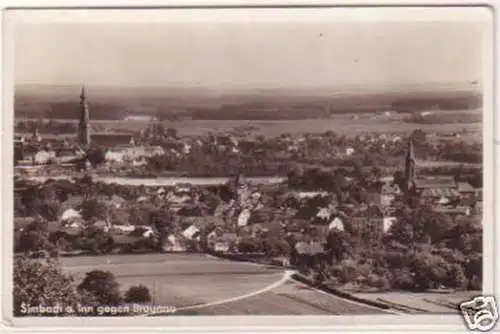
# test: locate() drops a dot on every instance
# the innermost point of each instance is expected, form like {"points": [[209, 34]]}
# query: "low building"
{"points": [[111, 139], [466, 190], [453, 211], [336, 224], [439, 195], [368, 223], [44, 157]]}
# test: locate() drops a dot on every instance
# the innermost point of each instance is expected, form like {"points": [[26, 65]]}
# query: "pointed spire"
{"points": [[83, 127], [411, 151], [410, 168], [82, 94]]}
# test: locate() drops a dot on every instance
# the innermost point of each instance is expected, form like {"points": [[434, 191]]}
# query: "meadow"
{"points": [[341, 124]]}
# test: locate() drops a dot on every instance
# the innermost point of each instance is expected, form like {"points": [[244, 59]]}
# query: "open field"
{"points": [[342, 125], [199, 284], [426, 302]]}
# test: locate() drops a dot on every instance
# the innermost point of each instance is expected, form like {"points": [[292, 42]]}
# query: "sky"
{"points": [[245, 52]]}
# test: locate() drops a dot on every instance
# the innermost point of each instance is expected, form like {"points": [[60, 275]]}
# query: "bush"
{"points": [[345, 272], [249, 245], [138, 294], [402, 280], [41, 282], [102, 286], [456, 277]]}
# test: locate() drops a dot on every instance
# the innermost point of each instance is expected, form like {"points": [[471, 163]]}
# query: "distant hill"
{"points": [[199, 103]]}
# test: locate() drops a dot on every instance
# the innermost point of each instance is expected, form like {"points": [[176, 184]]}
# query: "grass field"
{"points": [[210, 286]]}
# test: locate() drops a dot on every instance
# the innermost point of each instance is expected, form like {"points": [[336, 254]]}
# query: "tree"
{"points": [[34, 238], [337, 245], [429, 270], [418, 136], [95, 240], [162, 221], [249, 245], [96, 156], [171, 133], [138, 294], [32, 241], [41, 282], [456, 277], [93, 209], [48, 209], [295, 175], [102, 286]]}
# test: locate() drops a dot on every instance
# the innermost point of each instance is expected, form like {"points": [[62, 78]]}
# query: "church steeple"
{"points": [[83, 126], [410, 166]]}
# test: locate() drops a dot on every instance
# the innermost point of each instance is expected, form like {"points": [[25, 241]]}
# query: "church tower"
{"points": [[83, 126], [410, 166]]}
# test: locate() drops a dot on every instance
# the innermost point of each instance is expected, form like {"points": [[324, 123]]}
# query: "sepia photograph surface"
{"points": [[258, 162]]}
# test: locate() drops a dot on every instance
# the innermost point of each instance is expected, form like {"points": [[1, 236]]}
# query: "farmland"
{"points": [[207, 286], [341, 124]]}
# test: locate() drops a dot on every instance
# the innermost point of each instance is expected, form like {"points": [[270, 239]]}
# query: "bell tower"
{"points": [[83, 125], [410, 166]]}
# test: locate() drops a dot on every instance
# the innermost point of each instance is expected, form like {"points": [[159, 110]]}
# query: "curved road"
{"points": [[204, 285]]}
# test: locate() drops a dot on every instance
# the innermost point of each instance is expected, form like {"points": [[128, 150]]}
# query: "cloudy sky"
{"points": [[246, 51]]}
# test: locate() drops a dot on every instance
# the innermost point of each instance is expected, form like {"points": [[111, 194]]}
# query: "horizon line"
{"points": [[470, 85]]}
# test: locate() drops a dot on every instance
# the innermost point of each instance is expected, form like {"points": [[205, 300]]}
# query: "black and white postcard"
{"points": [[308, 164]]}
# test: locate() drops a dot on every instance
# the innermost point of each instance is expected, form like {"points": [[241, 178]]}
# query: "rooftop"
{"points": [[465, 187], [440, 192], [443, 182]]}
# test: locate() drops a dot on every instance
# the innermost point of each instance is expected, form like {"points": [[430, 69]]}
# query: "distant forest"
{"points": [[280, 108]]}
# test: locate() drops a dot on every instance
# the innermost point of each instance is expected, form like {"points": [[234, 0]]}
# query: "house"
{"points": [[390, 189], [71, 218], [316, 247], [222, 247], [302, 247], [124, 228], [453, 211], [70, 214], [176, 199], [182, 188], [20, 223], [388, 222], [148, 232], [337, 224], [466, 190], [43, 157], [191, 232], [368, 223], [214, 234], [439, 195], [141, 199], [311, 194], [114, 155], [19, 140], [102, 224], [388, 179], [324, 213], [223, 243], [243, 217], [436, 182], [116, 201], [68, 154], [174, 244], [72, 201], [111, 139], [221, 209]]}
